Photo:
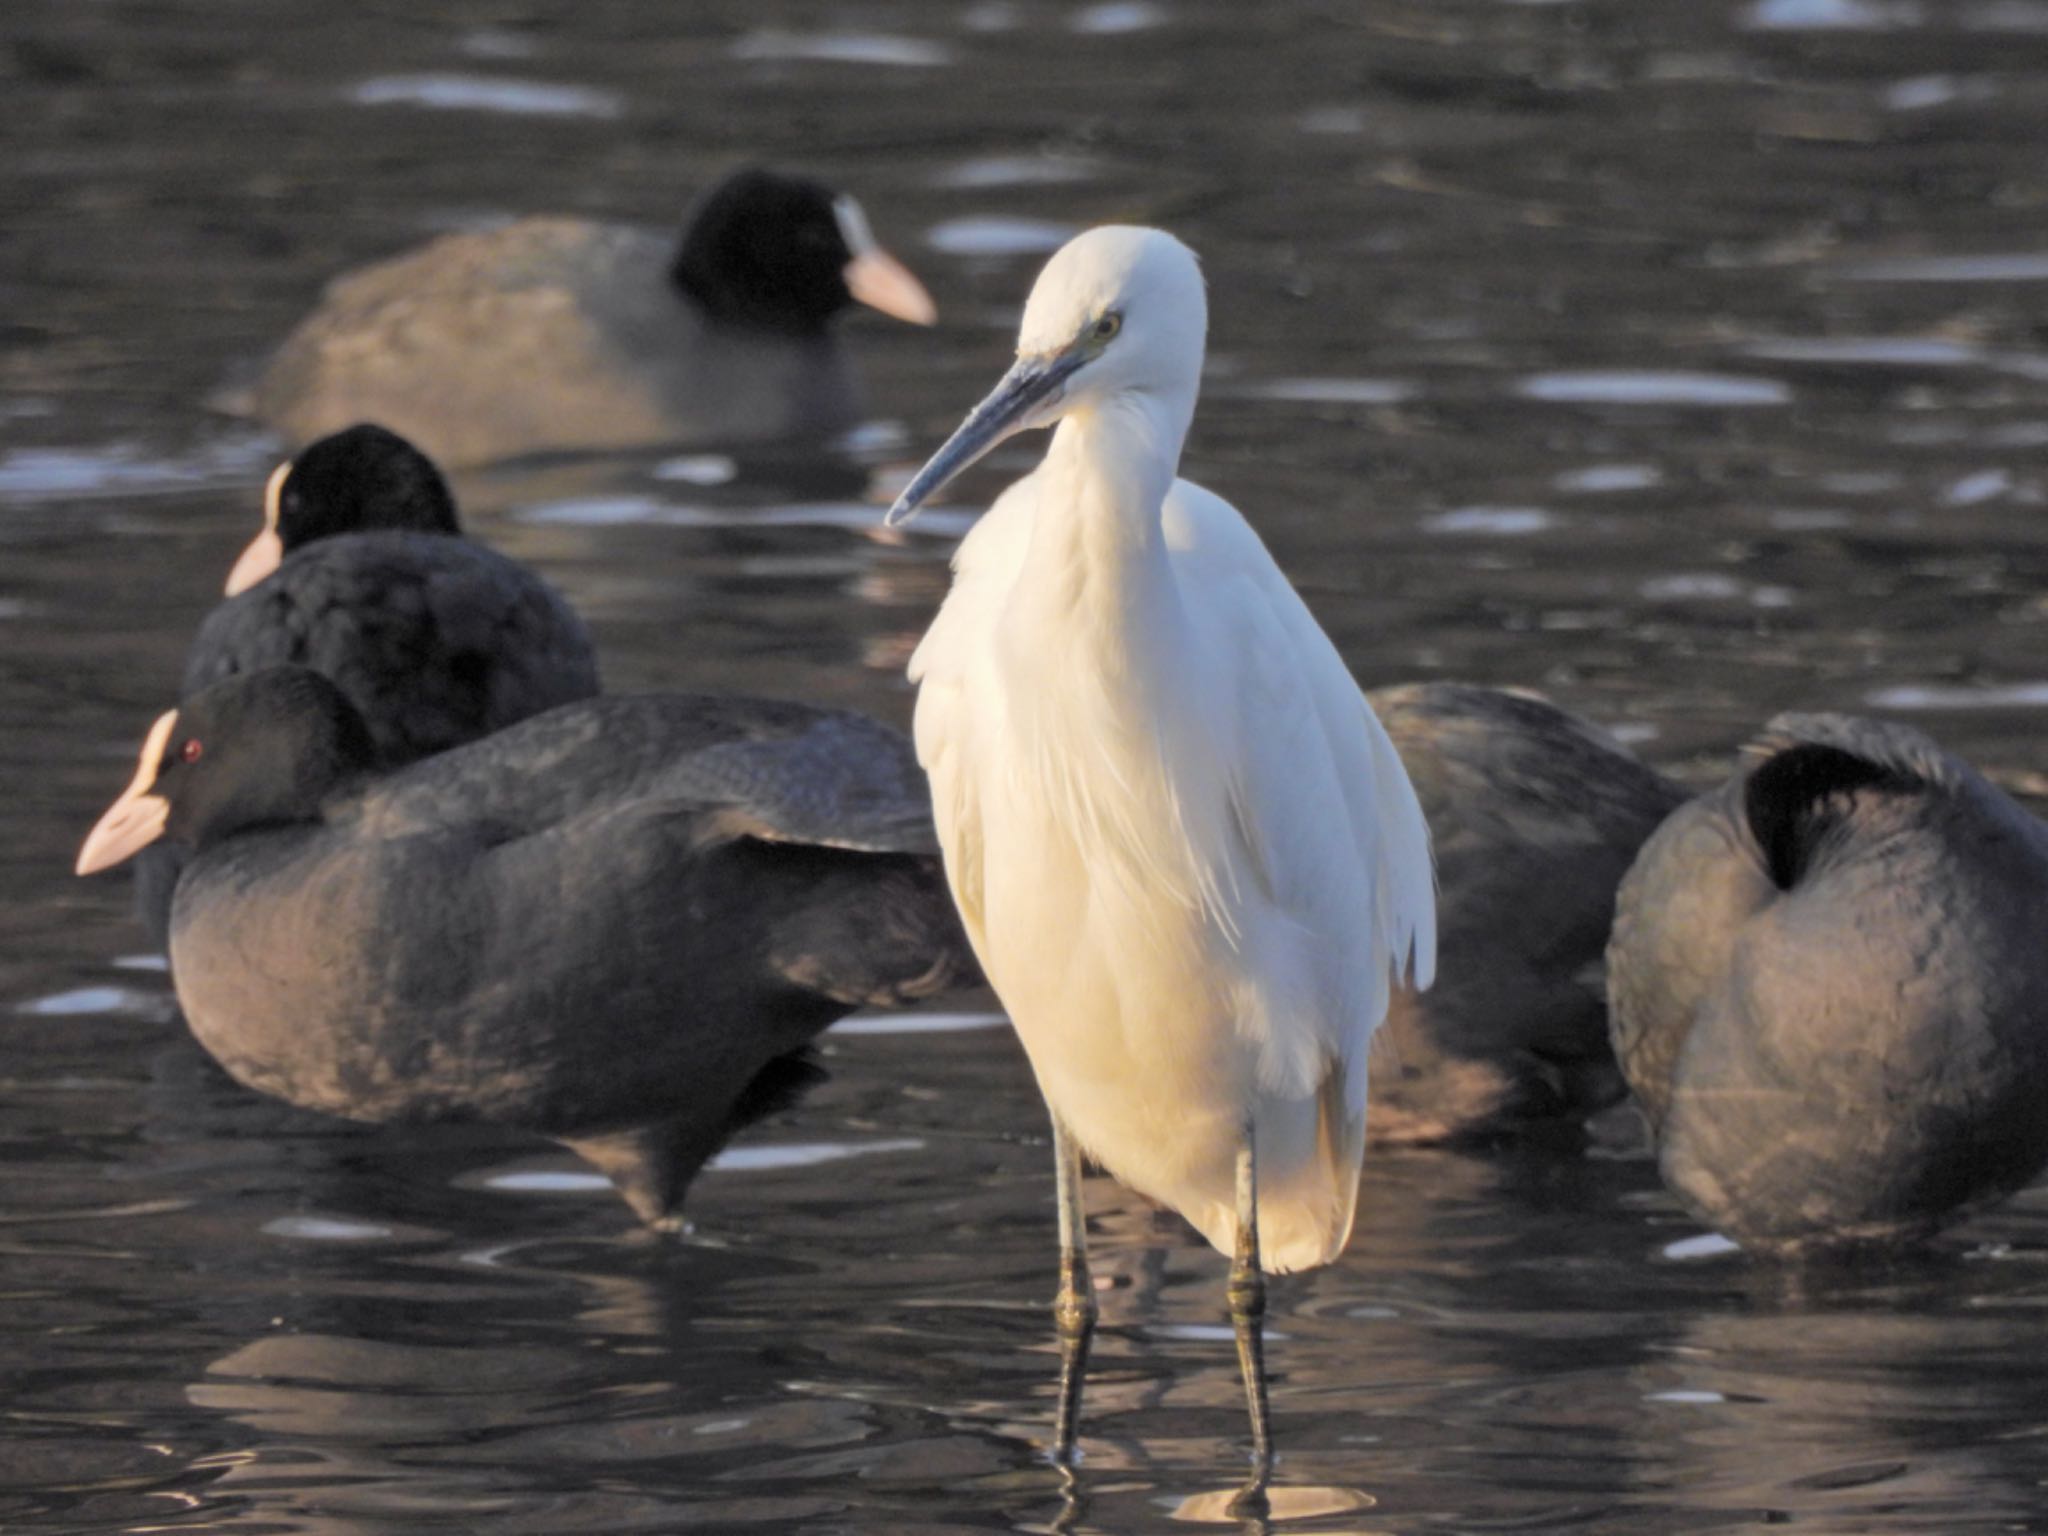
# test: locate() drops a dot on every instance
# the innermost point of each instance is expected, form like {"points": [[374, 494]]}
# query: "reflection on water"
{"points": [[1684, 361], [475, 93]]}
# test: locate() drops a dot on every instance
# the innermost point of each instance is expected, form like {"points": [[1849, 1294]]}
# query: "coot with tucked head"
{"points": [[361, 572], [612, 924], [1829, 992], [556, 335]]}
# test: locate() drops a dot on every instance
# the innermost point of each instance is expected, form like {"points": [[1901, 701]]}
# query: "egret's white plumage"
{"points": [[1186, 853]]}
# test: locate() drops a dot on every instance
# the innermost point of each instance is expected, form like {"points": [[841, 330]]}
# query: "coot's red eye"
{"points": [[190, 752]]}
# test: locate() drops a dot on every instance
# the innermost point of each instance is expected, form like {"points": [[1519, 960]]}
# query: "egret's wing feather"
{"points": [[1331, 825], [1334, 889], [953, 668]]}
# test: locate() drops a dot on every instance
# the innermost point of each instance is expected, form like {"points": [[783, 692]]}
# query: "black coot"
{"points": [[554, 335], [1830, 994], [611, 924], [361, 573], [1534, 816]]}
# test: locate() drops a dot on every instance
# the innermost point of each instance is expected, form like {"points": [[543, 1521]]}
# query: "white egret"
{"points": [[1186, 853]]}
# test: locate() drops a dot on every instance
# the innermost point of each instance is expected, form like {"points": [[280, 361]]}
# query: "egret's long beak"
{"points": [[135, 820], [266, 550], [874, 277], [1013, 406]]}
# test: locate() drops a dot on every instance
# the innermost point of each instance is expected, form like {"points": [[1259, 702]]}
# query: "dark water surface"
{"points": [[1683, 358]]}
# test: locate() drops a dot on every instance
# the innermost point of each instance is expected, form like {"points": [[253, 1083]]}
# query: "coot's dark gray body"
{"points": [[1534, 816], [436, 639], [603, 925], [555, 335], [548, 335], [1829, 992]]}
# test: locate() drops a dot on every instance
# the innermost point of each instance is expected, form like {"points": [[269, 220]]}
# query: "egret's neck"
{"points": [[1106, 476]]}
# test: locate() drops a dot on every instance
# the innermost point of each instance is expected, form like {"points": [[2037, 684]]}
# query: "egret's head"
{"points": [[1117, 311]]}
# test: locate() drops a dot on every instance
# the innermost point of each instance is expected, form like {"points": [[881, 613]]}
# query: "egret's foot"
{"points": [[1073, 1314], [1251, 1502], [1073, 1309], [1248, 1323], [1247, 1296]]}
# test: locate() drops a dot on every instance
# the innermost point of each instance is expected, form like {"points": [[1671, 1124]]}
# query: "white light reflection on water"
{"points": [[1510, 522], [125, 469], [486, 93], [1116, 16], [1633, 386], [1320, 391], [1015, 171], [698, 469], [934, 1023], [325, 1229], [842, 48], [86, 1001], [2020, 267], [998, 235], [1940, 696], [1284, 1502], [651, 511], [1604, 479], [807, 1154]]}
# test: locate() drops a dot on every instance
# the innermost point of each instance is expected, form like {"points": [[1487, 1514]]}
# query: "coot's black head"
{"points": [[785, 254], [258, 749], [353, 481]]}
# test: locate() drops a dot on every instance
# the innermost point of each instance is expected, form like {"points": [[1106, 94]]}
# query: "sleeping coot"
{"points": [[361, 573], [555, 335], [1828, 990], [610, 924]]}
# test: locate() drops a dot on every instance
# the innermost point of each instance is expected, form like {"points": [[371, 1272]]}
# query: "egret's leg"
{"points": [[1073, 1309], [1248, 1312]]}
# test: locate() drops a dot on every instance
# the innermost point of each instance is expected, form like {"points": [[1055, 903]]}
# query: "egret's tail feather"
{"points": [[1306, 1211]]}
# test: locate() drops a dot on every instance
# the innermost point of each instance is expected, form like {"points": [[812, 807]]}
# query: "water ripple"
{"points": [[1116, 16], [1015, 171], [1831, 15], [842, 48], [917, 1023], [994, 235], [1322, 391], [1508, 521], [1941, 696], [2021, 267], [808, 1154], [325, 1229], [84, 1002], [487, 93], [1633, 386], [1602, 479], [62, 474], [651, 511]]}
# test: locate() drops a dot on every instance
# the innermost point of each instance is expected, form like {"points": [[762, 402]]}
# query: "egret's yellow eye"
{"points": [[1107, 326]]}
